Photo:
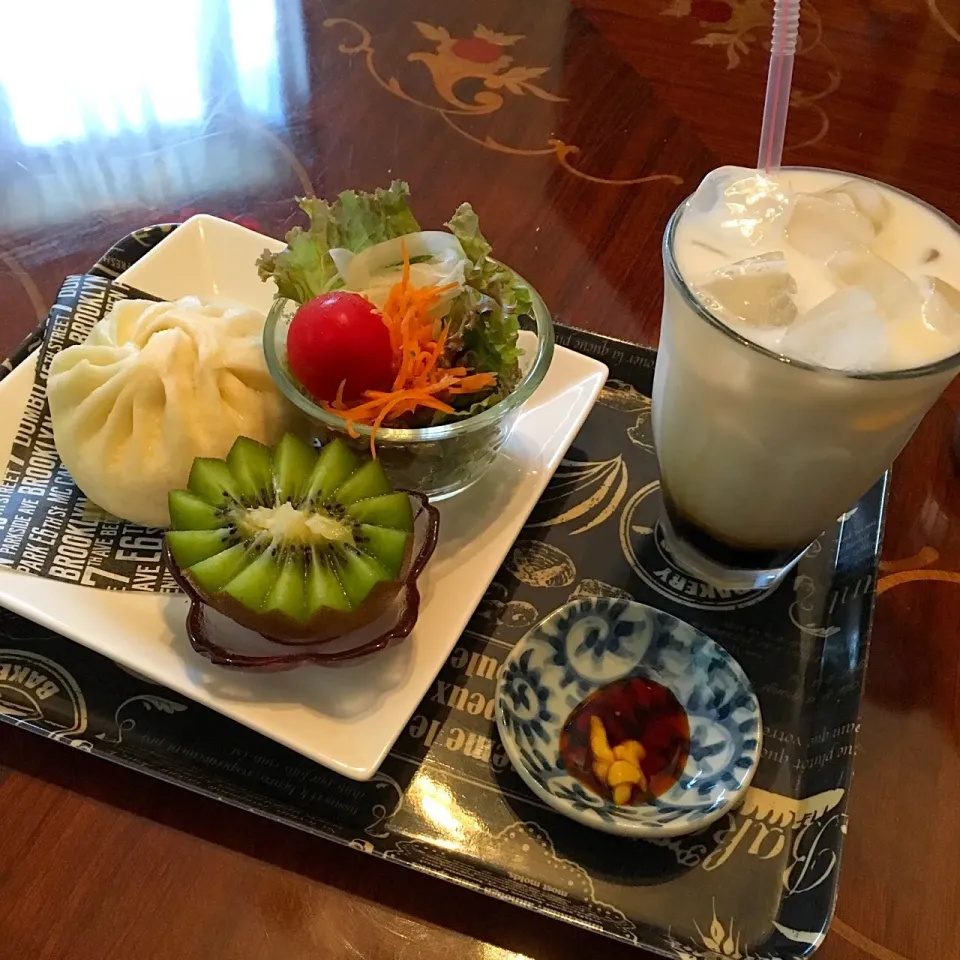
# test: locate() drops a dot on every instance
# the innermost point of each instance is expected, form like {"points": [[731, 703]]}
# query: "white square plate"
{"points": [[347, 717]]}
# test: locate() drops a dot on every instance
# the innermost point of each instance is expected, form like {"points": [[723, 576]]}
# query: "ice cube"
{"points": [[896, 295], [739, 206], [707, 196], [941, 308], [844, 332], [758, 290], [866, 198], [820, 228]]}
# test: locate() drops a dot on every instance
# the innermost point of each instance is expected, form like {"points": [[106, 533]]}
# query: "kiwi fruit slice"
{"points": [[291, 543]]}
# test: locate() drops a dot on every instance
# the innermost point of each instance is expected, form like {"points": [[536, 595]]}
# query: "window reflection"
{"points": [[135, 66], [125, 104], [253, 32], [86, 76]]}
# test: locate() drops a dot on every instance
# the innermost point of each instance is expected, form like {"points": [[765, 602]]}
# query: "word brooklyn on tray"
{"points": [[47, 526]]}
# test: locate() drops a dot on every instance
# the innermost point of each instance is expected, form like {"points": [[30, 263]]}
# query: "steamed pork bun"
{"points": [[154, 386]]}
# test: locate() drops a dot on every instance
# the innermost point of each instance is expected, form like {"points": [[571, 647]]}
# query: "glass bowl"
{"points": [[440, 461]]}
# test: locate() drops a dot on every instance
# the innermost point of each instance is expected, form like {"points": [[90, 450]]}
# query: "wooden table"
{"points": [[574, 128]]}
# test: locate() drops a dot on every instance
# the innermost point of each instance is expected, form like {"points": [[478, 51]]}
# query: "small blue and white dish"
{"points": [[592, 642]]}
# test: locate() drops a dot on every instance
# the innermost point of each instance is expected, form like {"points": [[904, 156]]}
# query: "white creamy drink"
{"points": [[810, 320]]}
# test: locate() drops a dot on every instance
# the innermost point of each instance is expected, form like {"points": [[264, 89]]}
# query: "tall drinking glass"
{"points": [[759, 452]]}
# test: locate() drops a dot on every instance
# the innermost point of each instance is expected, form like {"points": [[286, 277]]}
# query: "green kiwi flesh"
{"points": [[292, 544]]}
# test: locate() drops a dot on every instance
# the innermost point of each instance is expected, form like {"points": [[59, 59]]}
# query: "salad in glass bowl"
{"points": [[414, 344]]}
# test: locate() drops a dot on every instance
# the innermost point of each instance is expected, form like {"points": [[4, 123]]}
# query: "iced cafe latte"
{"points": [[810, 320]]}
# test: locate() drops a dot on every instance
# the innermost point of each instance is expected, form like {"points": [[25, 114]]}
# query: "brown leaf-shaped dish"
{"points": [[227, 643]]}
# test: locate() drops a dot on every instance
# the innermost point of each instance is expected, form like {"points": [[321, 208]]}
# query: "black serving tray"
{"points": [[758, 884]]}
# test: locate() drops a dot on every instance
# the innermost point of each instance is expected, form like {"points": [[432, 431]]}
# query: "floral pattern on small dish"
{"points": [[594, 641]]}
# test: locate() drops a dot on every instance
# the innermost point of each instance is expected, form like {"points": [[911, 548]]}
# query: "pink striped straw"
{"points": [[786, 24]]}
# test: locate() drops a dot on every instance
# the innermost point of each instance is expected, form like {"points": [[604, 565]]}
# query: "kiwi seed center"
{"points": [[288, 524]]}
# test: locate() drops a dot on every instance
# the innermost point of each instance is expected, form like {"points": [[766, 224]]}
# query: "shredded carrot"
{"points": [[420, 380]]}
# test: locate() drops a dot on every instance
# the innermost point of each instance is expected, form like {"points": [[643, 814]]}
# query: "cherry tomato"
{"points": [[340, 337]]}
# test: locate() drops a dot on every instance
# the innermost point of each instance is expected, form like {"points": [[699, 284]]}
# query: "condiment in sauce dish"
{"points": [[628, 720]]}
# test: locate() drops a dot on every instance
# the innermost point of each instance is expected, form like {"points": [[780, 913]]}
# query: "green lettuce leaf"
{"points": [[465, 226], [478, 403], [484, 321], [355, 220]]}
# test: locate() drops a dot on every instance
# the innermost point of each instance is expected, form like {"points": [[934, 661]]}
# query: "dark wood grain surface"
{"points": [[575, 129]]}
